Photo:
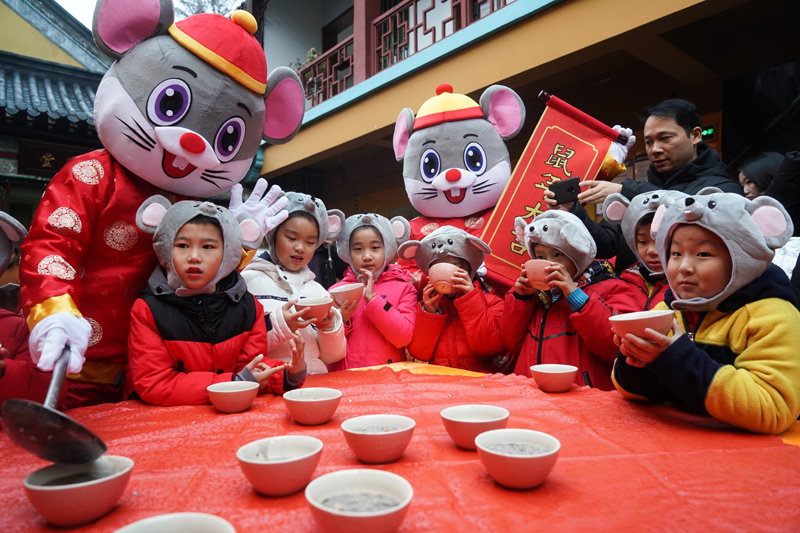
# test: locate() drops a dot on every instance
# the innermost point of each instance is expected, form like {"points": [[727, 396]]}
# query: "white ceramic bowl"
{"points": [[378, 438], [465, 422], [351, 291], [534, 271], [440, 274], [635, 323], [277, 466], [554, 378], [77, 503], [313, 405], [180, 523], [360, 480], [232, 396], [318, 307], [523, 471]]}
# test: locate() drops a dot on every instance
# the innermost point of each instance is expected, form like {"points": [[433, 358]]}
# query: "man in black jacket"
{"points": [[679, 161]]}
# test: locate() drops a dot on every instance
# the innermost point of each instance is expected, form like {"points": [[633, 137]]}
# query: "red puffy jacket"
{"points": [[550, 332], [648, 291], [466, 335], [20, 378]]}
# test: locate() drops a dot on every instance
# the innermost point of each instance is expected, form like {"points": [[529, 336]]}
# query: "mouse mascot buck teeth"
{"points": [[455, 161], [181, 113]]}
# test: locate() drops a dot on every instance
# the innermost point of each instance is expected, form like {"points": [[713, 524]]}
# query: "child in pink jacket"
{"points": [[380, 325]]}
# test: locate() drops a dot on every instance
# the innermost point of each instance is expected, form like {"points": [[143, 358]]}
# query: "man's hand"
{"points": [[596, 191], [550, 200], [269, 210]]}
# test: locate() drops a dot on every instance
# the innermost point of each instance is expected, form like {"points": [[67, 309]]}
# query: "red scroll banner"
{"points": [[566, 143]]}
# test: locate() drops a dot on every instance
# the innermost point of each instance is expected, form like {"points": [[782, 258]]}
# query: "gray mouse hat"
{"points": [[629, 214], [751, 229], [164, 220], [12, 233], [329, 221], [443, 242], [561, 230], [393, 232]]}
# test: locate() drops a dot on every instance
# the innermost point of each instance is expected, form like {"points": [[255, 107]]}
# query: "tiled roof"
{"points": [[34, 88]]}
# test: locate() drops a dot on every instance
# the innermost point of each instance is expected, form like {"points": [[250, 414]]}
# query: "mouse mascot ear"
{"points": [[285, 104], [119, 25]]}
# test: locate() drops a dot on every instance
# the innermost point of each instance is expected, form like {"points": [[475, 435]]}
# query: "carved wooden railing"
{"points": [[329, 74]]}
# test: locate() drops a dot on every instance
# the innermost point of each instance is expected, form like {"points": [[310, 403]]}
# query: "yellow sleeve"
{"points": [[760, 392]]}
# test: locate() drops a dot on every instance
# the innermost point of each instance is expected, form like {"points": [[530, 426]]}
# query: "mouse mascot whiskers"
{"points": [[181, 113]]}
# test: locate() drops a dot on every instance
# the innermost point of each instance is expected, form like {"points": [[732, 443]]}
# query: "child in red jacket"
{"points": [[460, 329], [19, 377], [647, 277], [568, 323], [195, 323]]}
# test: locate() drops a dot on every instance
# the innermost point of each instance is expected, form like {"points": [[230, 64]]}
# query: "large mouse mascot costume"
{"points": [[181, 113], [455, 161]]}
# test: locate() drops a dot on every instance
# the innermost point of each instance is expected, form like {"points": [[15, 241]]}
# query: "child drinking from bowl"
{"points": [[738, 359], [282, 278], [647, 277], [381, 326], [195, 323], [460, 329], [567, 324]]}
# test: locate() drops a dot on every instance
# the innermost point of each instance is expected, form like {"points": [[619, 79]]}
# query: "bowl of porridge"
{"points": [[517, 458], [378, 438], [282, 465], [360, 499]]}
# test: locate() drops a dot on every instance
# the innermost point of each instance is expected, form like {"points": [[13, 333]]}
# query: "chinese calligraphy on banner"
{"points": [[566, 143]]}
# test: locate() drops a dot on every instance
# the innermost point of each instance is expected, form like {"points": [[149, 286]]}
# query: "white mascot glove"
{"points": [[620, 151], [269, 210], [48, 338], [482, 270]]}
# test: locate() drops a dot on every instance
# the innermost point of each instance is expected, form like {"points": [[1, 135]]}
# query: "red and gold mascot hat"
{"points": [[446, 107], [226, 43]]}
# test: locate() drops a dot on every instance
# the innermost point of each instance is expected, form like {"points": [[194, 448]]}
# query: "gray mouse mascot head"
{"points": [[455, 161]]}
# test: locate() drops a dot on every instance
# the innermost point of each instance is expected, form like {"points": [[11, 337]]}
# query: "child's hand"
{"points": [[369, 284], [643, 350], [298, 346], [557, 276], [461, 282], [327, 323], [522, 286], [3, 354], [430, 299], [294, 319], [262, 371], [347, 309]]}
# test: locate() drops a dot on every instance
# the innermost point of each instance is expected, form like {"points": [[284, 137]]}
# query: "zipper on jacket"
{"points": [[541, 336]]}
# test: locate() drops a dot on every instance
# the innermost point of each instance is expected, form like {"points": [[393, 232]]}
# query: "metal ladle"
{"points": [[48, 433]]}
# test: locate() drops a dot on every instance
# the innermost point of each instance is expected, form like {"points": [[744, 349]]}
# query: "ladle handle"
{"points": [[59, 372]]}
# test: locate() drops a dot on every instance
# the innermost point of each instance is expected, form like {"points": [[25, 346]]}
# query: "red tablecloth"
{"points": [[622, 465]]}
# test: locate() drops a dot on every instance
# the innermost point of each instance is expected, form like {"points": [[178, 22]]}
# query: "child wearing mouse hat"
{"points": [[733, 352], [568, 323], [379, 325], [460, 329], [281, 278], [647, 278], [195, 324]]}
